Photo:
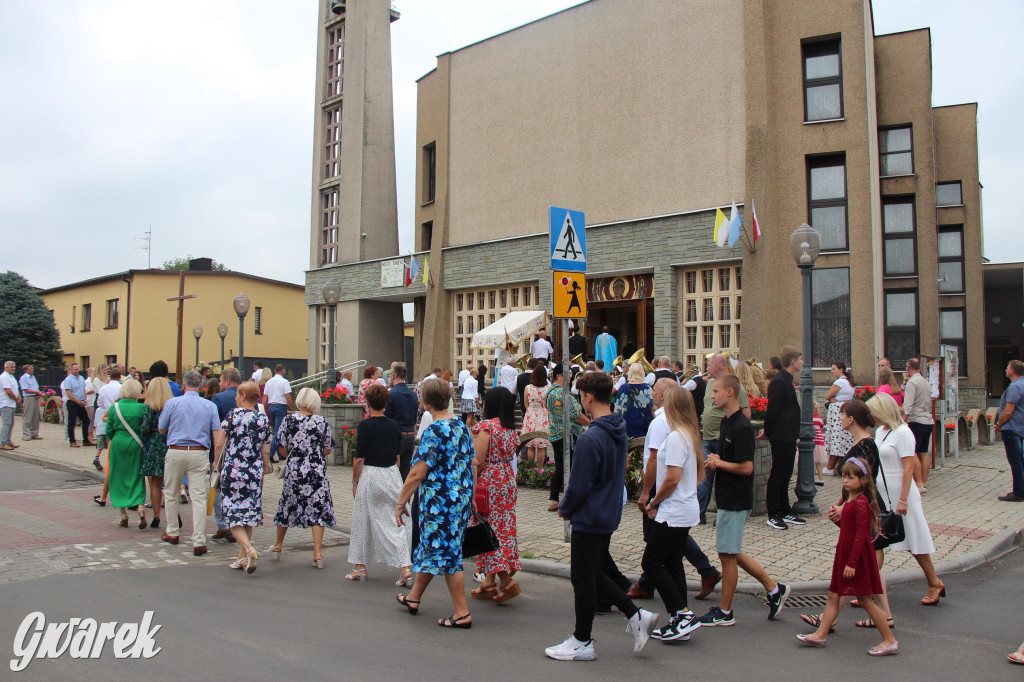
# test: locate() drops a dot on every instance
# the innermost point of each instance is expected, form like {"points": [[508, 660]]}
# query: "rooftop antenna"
{"points": [[148, 246]]}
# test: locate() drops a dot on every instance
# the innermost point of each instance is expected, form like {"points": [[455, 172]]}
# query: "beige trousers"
{"points": [[196, 464], [30, 419]]}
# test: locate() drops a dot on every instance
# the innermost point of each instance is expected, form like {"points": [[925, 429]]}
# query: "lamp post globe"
{"points": [[222, 331], [804, 246], [332, 293], [241, 304], [197, 331]]}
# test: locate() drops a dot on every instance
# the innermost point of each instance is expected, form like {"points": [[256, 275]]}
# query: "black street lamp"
{"points": [[197, 331], [331, 292], [241, 304], [222, 331], [804, 244]]}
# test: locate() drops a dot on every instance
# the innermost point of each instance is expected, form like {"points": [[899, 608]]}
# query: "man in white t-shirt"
{"points": [[508, 375], [542, 348], [346, 382], [10, 398], [657, 432], [257, 372], [279, 400]]}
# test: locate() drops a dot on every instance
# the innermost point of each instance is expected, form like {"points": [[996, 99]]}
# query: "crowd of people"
{"points": [[439, 457]]}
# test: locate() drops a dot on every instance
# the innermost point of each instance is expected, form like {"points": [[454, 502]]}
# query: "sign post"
{"points": [[569, 300]]}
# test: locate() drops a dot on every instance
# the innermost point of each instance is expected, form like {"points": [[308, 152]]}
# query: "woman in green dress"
{"points": [[124, 424]]}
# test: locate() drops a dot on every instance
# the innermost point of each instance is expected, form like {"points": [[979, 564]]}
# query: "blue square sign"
{"points": [[568, 240]]}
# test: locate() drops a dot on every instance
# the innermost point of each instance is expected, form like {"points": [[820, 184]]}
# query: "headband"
{"points": [[860, 465]]}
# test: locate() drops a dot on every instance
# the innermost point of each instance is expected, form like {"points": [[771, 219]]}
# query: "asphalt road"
{"points": [[15, 475], [289, 621]]}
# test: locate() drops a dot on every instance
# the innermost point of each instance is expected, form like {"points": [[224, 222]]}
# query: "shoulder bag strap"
{"points": [[127, 426], [881, 468]]}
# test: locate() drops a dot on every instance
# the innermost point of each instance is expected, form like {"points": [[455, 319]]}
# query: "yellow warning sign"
{"points": [[569, 294]]}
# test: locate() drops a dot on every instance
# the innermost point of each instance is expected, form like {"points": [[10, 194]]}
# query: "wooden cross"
{"points": [[180, 298]]}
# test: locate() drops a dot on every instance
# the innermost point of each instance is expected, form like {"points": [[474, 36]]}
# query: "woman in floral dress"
{"points": [[442, 475], [369, 376], [243, 453], [305, 439], [536, 417], [496, 443], [634, 401], [157, 395]]}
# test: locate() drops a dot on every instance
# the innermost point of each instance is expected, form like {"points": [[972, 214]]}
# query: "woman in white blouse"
{"points": [[838, 441], [469, 395], [896, 445]]}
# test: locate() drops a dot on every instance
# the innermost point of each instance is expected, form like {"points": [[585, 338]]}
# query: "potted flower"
{"points": [[339, 395], [758, 409], [865, 392]]}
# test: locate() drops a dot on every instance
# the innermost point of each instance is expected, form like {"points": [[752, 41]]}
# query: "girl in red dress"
{"points": [[855, 571]]}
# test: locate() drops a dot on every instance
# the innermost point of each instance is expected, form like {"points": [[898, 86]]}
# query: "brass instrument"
{"points": [[522, 360], [578, 360], [638, 356], [617, 362], [691, 373]]}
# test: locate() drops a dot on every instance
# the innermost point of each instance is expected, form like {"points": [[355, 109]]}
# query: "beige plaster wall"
{"points": [[621, 114]]}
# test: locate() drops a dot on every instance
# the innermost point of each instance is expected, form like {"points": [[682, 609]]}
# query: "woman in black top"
{"points": [[376, 484]]}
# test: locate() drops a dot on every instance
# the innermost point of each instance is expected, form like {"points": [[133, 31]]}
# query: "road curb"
{"points": [[996, 547], [56, 466]]}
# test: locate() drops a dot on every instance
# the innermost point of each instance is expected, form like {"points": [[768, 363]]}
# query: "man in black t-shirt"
{"points": [[734, 497]]}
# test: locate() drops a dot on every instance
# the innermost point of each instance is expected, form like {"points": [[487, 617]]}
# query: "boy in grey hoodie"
{"points": [[593, 505]]}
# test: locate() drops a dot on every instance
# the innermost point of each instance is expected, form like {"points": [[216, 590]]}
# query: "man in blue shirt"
{"points": [[402, 407], [73, 388], [225, 402], [1010, 425], [189, 422], [159, 369]]}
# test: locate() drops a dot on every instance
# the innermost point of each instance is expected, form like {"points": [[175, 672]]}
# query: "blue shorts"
{"points": [[729, 530]]}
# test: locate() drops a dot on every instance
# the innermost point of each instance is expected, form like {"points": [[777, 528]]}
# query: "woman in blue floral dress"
{"points": [[242, 453], [305, 439], [634, 401], [442, 474]]}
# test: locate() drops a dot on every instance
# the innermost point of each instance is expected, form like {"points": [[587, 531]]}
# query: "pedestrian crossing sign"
{"points": [[568, 240], [569, 294]]}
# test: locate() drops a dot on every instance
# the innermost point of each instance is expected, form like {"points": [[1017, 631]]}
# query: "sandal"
{"points": [[929, 600], [406, 579], [97, 500], [814, 620], [275, 552], [238, 564], [1017, 656], [484, 592], [552, 506], [868, 623], [508, 591], [155, 523], [453, 622], [405, 601], [143, 524], [358, 574], [124, 521], [855, 604], [250, 560], [318, 562]]}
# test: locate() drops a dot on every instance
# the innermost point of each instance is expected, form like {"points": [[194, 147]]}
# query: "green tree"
{"points": [[27, 332], [182, 263]]}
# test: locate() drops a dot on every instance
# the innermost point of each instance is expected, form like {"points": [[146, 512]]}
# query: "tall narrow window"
{"points": [[823, 80], [691, 281], [830, 316], [86, 317], [458, 302], [949, 194], [515, 297], [691, 311], [332, 142], [329, 226], [723, 310], [725, 335], [709, 310], [112, 313], [724, 275], [491, 297], [527, 292], [691, 338], [335, 61], [953, 332], [898, 226], [896, 151], [708, 331], [951, 260], [902, 336], [257, 320], [430, 172], [826, 199], [504, 298], [708, 277], [426, 235]]}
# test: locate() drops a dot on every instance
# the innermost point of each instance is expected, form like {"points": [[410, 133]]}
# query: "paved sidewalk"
{"points": [[961, 508]]}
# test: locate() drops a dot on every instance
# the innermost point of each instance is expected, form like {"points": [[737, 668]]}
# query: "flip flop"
{"points": [[868, 623]]}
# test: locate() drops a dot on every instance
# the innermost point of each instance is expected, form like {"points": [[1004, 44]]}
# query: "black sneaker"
{"points": [[777, 523], [714, 617], [793, 519], [777, 601], [669, 633], [685, 624], [96, 463]]}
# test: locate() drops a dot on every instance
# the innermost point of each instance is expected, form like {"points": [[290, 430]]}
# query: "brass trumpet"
{"points": [[578, 360], [638, 356], [522, 360], [691, 373]]}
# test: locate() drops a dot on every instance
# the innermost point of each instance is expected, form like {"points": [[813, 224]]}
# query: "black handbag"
{"points": [[890, 523], [479, 539]]}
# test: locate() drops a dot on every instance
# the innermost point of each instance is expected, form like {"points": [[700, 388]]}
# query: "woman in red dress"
{"points": [[496, 441], [855, 570]]}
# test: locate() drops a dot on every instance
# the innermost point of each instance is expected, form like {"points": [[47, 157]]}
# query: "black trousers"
{"points": [[590, 581], [663, 563], [558, 446], [77, 412], [691, 552], [777, 494], [405, 454]]}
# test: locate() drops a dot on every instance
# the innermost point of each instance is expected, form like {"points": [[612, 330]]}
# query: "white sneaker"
{"points": [[572, 650], [641, 626], [828, 472]]}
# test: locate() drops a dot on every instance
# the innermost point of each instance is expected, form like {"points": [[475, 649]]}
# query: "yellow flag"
{"points": [[721, 228], [426, 268]]}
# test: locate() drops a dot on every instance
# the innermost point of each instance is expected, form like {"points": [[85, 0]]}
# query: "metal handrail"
{"points": [[320, 376]]}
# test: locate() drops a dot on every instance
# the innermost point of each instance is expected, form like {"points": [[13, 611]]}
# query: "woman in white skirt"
{"points": [[838, 441], [896, 445], [376, 484], [470, 394]]}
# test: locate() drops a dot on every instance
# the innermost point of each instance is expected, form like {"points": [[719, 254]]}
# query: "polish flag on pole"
{"points": [[412, 272], [757, 225]]}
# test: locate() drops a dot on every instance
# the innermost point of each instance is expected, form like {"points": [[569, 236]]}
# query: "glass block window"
{"points": [[830, 316]]}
